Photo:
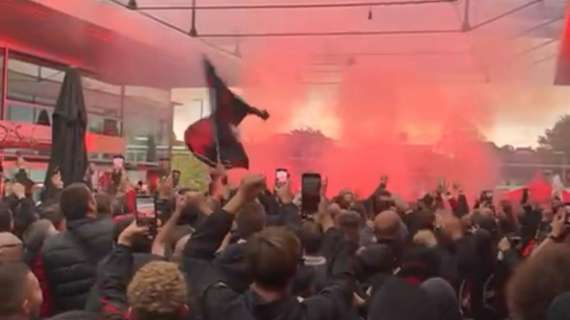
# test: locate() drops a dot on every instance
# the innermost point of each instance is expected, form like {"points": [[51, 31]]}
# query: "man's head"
{"points": [[20, 162], [383, 201], [388, 226], [11, 247], [250, 219], [345, 199], [6, 218], [451, 226], [272, 258], [311, 235], [20, 292], [158, 292], [349, 222], [53, 213], [77, 202], [103, 204], [538, 281]]}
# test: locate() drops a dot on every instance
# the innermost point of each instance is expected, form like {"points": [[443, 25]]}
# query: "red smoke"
{"points": [[393, 121]]}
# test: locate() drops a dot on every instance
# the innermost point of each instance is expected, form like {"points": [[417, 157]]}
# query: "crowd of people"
{"points": [[253, 253]]}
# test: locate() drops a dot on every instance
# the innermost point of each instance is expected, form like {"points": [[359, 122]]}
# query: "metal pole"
{"points": [[122, 112], [4, 88], [171, 135]]}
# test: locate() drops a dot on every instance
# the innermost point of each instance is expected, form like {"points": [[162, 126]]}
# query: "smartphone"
{"points": [[310, 192], [281, 176], [146, 214]]}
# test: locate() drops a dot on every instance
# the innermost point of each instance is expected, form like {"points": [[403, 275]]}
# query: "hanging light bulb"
{"points": [[132, 4], [370, 16], [193, 31]]}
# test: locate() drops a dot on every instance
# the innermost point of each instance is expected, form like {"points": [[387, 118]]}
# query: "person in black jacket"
{"points": [[272, 257], [70, 258], [23, 209], [231, 259], [156, 291], [6, 218]]}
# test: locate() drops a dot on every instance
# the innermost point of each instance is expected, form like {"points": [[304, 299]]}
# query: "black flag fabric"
{"points": [[215, 139]]}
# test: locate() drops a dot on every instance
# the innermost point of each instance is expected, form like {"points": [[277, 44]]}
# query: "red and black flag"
{"points": [[215, 139], [563, 68]]}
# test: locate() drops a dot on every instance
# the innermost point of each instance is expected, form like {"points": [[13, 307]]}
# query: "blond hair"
{"points": [[158, 291]]}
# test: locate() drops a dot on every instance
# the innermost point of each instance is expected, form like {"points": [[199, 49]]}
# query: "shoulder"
{"points": [[56, 241]]}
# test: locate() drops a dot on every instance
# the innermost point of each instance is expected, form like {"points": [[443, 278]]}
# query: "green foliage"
{"points": [[194, 174], [557, 138]]}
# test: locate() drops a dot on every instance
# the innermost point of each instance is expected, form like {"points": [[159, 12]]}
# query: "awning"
{"points": [[115, 44]]}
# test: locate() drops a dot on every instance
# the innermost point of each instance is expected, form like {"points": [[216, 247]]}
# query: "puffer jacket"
{"points": [[70, 261]]}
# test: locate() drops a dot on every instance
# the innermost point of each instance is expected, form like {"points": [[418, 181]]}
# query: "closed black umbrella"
{"points": [[68, 150]]}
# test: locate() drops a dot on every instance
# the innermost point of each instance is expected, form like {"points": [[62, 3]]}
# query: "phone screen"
{"points": [[310, 192], [145, 213], [145, 205]]}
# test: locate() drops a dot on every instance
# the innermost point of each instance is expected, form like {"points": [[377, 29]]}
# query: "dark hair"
{"points": [[140, 243], [74, 201], [421, 220], [538, 281], [191, 215], [103, 204], [311, 235], [6, 218], [250, 219], [53, 213], [377, 258], [419, 263], [272, 257], [13, 283]]}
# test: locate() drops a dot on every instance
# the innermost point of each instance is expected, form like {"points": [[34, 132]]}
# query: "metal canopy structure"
{"points": [[464, 40]]}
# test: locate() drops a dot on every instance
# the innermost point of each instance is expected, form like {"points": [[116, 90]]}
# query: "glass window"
{"points": [[36, 82], [20, 112], [33, 81]]}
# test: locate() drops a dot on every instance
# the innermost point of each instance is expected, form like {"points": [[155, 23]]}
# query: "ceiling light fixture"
{"points": [[466, 24], [193, 31]]}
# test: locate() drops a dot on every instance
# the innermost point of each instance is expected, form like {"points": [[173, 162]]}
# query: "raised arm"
{"points": [[210, 234]]}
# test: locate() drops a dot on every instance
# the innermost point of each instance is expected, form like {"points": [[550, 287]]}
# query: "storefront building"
{"points": [[128, 77]]}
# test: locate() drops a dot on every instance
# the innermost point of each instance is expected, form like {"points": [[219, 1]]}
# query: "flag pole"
{"points": [[212, 92]]}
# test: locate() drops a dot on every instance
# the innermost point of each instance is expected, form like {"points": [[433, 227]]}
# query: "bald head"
{"points": [[11, 248], [388, 225], [452, 226]]}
